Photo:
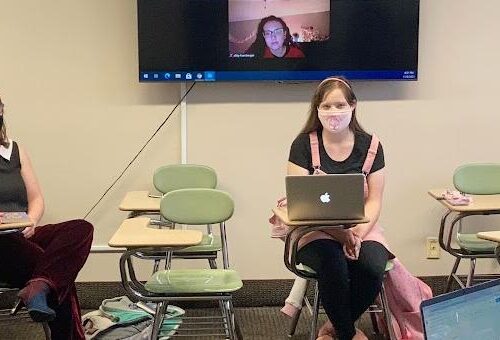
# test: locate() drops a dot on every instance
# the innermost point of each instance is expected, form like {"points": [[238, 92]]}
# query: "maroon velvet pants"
{"points": [[55, 254]]}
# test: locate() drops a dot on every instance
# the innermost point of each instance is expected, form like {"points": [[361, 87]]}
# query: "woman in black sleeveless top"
{"points": [[42, 260]]}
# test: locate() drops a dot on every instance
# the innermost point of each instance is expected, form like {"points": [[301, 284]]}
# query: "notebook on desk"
{"points": [[14, 217], [325, 197], [13, 220], [470, 313]]}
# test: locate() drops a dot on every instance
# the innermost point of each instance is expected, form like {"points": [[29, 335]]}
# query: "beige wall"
{"points": [[68, 75]]}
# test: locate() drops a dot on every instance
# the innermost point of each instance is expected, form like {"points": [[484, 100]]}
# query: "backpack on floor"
{"points": [[120, 318]]}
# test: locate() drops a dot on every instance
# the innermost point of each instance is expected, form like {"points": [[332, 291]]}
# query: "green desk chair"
{"points": [[380, 305], [184, 176], [190, 207], [474, 179]]}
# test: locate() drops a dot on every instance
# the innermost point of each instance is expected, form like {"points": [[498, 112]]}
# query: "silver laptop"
{"points": [[325, 197], [465, 314]]}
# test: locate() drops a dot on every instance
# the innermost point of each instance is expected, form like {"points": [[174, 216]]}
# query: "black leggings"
{"points": [[346, 288]]}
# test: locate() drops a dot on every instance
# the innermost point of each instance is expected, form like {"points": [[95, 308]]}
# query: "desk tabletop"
{"points": [[15, 220], [137, 232], [490, 235], [282, 213], [139, 201], [18, 225], [479, 202]]}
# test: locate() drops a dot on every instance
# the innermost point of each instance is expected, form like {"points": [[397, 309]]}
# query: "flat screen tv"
{"points": [[277, 40]]}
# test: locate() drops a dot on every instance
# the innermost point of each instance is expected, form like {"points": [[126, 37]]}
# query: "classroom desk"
{"points": [[142, 240], [297, 229], [139, 202], [7, 228], [137, 232], [480, 205], [492, 236]]}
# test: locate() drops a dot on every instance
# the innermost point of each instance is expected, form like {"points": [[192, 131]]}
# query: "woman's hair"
{"points": [[259, 45], [326, 86], [4, 141]]}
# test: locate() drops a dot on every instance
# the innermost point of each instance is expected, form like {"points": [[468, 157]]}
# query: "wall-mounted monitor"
{"points": [[277, 40]]}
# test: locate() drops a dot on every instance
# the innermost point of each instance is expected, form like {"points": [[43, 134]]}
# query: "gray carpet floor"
{"points": [[256, 323]]}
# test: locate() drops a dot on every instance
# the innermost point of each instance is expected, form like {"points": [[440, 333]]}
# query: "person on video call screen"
{"points": [[273, 40]]}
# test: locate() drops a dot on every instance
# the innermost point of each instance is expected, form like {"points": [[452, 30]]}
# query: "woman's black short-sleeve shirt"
{"points": [[300, 154]]}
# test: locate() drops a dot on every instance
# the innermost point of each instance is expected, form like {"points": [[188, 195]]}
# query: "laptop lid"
{"points": [[325, 197], [470, 313]]}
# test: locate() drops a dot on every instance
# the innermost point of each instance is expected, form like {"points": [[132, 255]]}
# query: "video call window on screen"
{"points": [[297, 40], [276, 29]]}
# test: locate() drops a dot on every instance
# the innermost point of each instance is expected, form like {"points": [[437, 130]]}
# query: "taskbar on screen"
{"points": [[211, 76]]}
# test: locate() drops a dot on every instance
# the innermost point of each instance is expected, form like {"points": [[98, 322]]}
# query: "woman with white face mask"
{"points": [[350, 264]]}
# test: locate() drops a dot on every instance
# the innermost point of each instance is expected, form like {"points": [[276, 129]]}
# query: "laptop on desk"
{"points": [[465, 314], [325, 197]]}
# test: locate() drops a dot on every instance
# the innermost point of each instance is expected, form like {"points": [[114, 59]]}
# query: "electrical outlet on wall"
{"points": [[432, 248]]}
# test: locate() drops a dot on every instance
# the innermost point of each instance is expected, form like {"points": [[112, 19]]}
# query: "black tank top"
{"points": [[13, 195]]}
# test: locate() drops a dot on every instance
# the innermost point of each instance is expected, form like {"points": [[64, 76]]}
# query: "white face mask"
{"points": [[335, 122]]}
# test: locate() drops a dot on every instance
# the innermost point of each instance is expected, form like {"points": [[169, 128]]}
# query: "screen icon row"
{"points": [[165, 76]]}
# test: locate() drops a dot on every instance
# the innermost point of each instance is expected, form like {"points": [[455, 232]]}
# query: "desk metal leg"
{"points": [[472, 268], [46, 331], [452, 274], [314, 318], [161, 307]]}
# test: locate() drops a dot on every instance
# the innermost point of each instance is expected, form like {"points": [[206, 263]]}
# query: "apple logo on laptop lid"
{"points": [[325, 198]]}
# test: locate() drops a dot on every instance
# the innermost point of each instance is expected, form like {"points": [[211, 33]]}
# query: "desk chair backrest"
{"points": [[197, 207], [185, 176], [182, 176], [478, 178]]}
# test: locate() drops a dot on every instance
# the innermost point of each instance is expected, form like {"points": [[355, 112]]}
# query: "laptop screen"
{"points": [[471, 313]]}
